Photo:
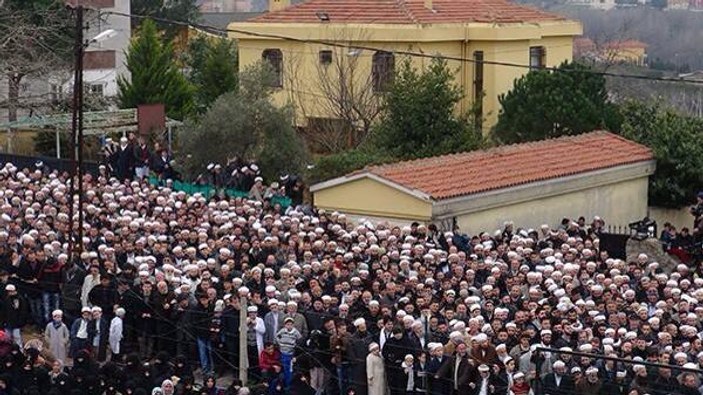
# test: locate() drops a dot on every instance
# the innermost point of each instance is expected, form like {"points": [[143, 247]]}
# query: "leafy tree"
{"points": [[155, 78], [336, 165], [37, 39], [676, 143], [545, 104], [245, 123], [419, 116], [213, 68], [175, 10]]}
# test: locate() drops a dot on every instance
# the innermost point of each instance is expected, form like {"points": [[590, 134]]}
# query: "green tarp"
{"points": [[209, 191]]}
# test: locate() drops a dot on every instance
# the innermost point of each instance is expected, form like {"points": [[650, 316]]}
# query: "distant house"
{"points": [[595, 4], [585, 48], [102, 63], [625, 51], [596, 173]]}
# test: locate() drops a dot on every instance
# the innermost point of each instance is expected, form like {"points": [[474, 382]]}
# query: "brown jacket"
{"points": [[339, 346], [486, 355]]}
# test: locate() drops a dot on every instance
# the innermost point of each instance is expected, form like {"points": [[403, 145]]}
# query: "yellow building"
{"points": [[597, 173], [334, 56], [627, 51]]}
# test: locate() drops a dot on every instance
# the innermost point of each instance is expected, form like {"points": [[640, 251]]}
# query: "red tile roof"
{"points": [[463, 174], [408, 12], [626, 44]]}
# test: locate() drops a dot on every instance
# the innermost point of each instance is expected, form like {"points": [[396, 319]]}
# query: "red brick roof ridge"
{"points": [[391, 171], [410, 12]]}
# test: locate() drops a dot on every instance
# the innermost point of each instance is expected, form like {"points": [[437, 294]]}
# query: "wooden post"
{"points": [[243, 328], [58, 144]]}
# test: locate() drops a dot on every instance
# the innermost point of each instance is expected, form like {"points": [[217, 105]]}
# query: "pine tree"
{"points": [[213, 69], [155, 77]]}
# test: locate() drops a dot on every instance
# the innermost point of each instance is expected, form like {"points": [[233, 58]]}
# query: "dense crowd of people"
{"points": [[331, 306], [133, 158]]}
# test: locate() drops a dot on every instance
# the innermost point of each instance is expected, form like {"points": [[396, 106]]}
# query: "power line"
{"points": [[216, 30]]}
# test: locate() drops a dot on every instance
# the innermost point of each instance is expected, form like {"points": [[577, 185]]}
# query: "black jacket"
{"points": [[550, 387]]}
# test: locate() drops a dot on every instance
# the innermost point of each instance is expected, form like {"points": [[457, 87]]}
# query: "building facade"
{"points": [[489, 44], [102, 62], [594, 174]]}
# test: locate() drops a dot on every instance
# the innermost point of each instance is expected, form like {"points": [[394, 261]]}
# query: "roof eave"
{"points": [[366, 174]]}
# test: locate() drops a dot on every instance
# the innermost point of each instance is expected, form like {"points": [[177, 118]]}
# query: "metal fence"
{"points": [[612, 375]]}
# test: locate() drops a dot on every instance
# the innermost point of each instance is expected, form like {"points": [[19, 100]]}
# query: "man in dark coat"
{"points": [[124, 160], [201, 316], [394, 351], [440, 385], [557, 382], [14, 313], [144, 316], [360, 342], [72, 279], [100, 330], [230, 326], [104, 295], [460, 370]]}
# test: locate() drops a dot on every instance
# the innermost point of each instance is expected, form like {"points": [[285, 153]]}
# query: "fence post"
{"points": [[243, 352]]}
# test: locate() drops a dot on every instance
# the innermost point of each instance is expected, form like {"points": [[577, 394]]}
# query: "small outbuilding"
{"points": [[592, 174]]}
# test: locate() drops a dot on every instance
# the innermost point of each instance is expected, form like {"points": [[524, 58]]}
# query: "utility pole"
{"points": [[77, 139], [243, 328]]}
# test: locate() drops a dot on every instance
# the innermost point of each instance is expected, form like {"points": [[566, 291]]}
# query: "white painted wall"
{"points": [[678, 217]]}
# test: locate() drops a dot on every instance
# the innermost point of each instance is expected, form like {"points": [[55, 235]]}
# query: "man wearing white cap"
{"points": [[81, 332], [558, 382], [256, 329], [360, 341], [273, 321], [16, 313], [115, 337], [460, 371], [482, 351], [57, 336]]}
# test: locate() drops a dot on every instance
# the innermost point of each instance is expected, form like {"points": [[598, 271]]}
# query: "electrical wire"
{"points": [[213, 29]]}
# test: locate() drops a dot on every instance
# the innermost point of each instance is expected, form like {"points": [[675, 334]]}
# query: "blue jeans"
{"points": [[35, 307], [50, 301], [343, 378], [287, 363], [205, 354]]}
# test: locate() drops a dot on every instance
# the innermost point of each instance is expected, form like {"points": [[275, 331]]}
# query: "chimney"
{"points": [[428, 5], [277, 5]]}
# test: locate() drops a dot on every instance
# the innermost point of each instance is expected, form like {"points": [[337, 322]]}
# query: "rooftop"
{"points": [[625, 44], [408, 12], [221, 20], [448, 176]]}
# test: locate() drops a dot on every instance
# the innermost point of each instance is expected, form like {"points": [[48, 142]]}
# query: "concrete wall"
{"points": [[678, 217], [366, 197], [618, 203]]}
